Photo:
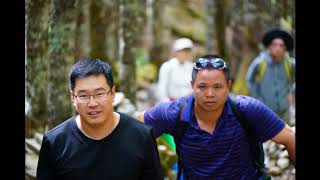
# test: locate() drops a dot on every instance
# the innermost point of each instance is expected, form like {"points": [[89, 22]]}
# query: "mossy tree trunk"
{"points": [[62, 23], [36, 28], [82, 45], [159, 49], [131, 16], [101, 17], [220, 22]]}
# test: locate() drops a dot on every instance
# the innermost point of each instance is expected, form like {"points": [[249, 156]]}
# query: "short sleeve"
{"points": [[162, 118], [265, 123]]}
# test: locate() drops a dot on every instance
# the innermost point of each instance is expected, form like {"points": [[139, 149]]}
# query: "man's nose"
{"points": [[92, 101]]}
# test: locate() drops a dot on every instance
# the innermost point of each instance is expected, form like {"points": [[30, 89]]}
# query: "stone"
{"points": [[31, 163], [33, 145], [274, 171], [38, 137], [284, 154], [283, 163]]}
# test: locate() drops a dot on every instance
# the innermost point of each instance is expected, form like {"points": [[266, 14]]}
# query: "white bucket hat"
{"points": [[182, 43]]}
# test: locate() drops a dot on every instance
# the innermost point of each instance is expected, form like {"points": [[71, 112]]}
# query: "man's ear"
{"points": [[229, 85], [191, 82], [113, 91], [72, 98]]}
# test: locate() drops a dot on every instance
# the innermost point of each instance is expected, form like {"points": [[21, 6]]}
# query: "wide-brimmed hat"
{"points": [[278, 33]]}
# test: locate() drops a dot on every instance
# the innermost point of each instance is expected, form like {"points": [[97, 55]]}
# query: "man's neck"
{"points": [[99, 131], [207, 120], [277, 58]]}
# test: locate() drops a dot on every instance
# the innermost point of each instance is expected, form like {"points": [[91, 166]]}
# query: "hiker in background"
{"points": [[97, 143], [271, 75], [174, 74], [213, 140]]}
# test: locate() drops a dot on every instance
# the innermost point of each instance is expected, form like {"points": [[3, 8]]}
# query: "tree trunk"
{"points": [[82, 47], [98, 29], [220, 27], [36, 64], [62, 24], [159, 50], [131, 21], [210, 38]]}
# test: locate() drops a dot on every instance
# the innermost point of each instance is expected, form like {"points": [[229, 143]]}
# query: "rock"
{"points": [[282, 147], [38, 137], [272, 148], [274, 171], [31, 163], [33, 145], [284, 154], [272, 163], [126, 107], [283, 163]]}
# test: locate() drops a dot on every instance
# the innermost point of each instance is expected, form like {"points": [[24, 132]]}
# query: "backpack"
{"points": [[255, 146], [263, 65]]}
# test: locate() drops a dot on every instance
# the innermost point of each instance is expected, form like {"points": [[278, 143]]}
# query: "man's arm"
{"points": [[287, 138]]}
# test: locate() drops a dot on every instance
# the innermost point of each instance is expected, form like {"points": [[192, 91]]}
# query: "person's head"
{"points": [[278, 42], [210, 82], [92, 90], [182, 48]]}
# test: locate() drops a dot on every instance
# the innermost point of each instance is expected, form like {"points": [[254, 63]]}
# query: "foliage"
{"points": [[167, 158], [146, 72]]}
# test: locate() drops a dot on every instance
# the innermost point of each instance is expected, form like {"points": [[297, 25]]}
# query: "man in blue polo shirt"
{"points": [[215, 146]]}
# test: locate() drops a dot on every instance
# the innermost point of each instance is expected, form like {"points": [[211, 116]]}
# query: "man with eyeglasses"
{"points": [[98, 143], [271, 75], [214, 145]]}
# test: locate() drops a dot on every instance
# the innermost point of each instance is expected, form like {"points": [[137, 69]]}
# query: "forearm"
{"points": [[291, 148]]}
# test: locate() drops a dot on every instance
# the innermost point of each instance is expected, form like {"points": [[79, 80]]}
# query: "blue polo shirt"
{"points": [[225, 154]]}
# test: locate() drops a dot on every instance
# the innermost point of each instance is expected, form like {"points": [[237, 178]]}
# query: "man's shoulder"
{"points": [[61, 129], [244, 101], [134, 124]]}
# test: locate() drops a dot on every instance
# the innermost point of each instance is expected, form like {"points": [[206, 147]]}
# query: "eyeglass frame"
{"points": [[87, 99], [212, 62]]}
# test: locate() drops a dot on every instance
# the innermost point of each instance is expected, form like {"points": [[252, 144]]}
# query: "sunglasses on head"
{"points": [[215, 63]]}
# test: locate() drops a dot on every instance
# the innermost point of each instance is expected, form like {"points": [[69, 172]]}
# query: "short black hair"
{"points": [[90, 67], [226, 70]]}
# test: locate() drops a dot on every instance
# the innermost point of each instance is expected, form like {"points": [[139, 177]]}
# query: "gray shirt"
{"points": [[275, 85]]}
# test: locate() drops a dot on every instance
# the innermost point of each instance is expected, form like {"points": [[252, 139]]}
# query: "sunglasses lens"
{"points": [[218, 63]]}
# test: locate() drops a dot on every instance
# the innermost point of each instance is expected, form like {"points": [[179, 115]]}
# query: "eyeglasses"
{"points": [[84, 98], [215, 63]]}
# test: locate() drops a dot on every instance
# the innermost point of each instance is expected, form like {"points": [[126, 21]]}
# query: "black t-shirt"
{"points": [[129, 152]]}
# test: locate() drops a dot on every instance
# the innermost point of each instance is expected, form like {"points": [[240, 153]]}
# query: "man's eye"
{"points": [[100, 94], [83, 96]]}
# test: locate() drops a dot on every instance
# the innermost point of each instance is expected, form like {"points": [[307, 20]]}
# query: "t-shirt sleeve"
{"points": [[152, 169], [162, 118], [45, 169], [265, 123]]}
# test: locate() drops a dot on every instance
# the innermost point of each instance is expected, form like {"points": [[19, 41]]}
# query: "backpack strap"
{"points": [[288, 67], [179, 132], [255, 146], [261, 69]]}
